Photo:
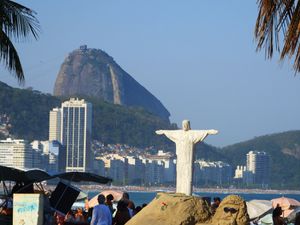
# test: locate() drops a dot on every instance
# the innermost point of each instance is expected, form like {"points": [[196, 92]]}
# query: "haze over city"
{"points": [[198, 58]]}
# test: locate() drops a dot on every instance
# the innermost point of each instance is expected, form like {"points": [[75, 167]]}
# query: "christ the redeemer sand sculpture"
{"points": [[185, 141]]}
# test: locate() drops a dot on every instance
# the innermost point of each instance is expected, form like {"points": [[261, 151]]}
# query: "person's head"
{"points": [[186, 125], [122, 205], [101, 199], [217, 200], [109, 197], [125, 196]]}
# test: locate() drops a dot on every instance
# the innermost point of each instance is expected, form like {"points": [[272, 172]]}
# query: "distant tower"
{"points": [[259, 164], [76, 134], [55, 125]]}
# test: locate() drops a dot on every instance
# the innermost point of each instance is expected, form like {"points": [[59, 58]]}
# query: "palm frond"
{"points": [[10, 57], [18, 21], [279, 18]]}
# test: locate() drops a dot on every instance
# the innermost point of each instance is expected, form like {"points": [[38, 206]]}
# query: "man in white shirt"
{"points": [[101, 213]]}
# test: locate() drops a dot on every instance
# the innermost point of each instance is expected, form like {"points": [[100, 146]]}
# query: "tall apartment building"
{"points": [[259, 164], [55, 125], [76, 130], [16, 153]]}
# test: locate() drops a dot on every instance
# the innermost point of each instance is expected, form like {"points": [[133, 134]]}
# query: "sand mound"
{"points": [[173, 209], [232, 211]]}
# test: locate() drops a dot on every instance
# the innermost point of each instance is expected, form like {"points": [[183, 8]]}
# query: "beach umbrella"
{"points": [[291, 218], [258, 208], [266, 220], [117, 197], [286, 204], [83, 177]]}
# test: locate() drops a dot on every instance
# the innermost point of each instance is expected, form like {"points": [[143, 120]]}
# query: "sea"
{"points": [[139, 197]]}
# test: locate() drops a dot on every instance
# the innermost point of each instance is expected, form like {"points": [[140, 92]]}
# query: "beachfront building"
{"points": [[160, 168], [52, 155], [215, 173], [76, 130], [259, 164], [55, 125], [16, 153], [153, 172], [116, 167], [139, 170], [242, 175], [135, 170]]}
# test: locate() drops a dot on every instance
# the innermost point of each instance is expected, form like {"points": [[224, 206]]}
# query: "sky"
{"points": [[198, 58]]}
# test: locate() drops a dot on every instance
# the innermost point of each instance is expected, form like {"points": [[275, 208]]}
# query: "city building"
{"points": [[16, 153], [243, 175], [216, 173], [259, 164], [76, 130], [55, 125]]}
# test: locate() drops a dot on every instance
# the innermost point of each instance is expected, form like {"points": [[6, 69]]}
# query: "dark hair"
{"points": [[125, 195], [122, 205], [217, 199], [110, 197], [101, 199]]}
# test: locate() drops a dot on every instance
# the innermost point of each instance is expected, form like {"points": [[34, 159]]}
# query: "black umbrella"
{"points": [[83, 176]]}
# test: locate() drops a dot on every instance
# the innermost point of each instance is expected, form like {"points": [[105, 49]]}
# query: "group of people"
{"points": [[102, 214]]}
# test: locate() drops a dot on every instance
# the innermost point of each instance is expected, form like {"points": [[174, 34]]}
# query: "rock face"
{"points": [[92, 72]]}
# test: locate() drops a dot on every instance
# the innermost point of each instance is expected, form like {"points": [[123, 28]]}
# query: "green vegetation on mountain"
{"points": [[284, 151], [29, 117]]}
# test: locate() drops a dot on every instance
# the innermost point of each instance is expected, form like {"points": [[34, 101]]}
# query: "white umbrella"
{"points": [[266, 220], [293, 214], [258, 208]]}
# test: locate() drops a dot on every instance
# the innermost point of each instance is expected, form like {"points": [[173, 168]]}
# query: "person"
{"points": [[101, 213], [297, 220], [79, 217], [70, 217], [215, 204], [137, 209], [109, 203], [276, 215], [122, 214], [130, 204]]}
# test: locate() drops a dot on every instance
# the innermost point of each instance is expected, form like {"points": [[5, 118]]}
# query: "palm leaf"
{"points": [[10, 56], [279, 19], [18, 22]]}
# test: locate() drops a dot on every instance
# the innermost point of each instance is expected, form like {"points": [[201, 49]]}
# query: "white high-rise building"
{"points": [[259, 164], [76, 133], [55, 125], [16, 153]]}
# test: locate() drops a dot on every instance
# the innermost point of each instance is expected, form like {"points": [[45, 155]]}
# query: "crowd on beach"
{"points": [[102, 214]]}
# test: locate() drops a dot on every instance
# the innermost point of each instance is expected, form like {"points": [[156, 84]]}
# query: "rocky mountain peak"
{"points": [[92, 72]]}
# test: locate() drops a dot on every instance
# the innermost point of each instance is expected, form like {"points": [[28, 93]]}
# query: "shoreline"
{"points": [[172, 189]]}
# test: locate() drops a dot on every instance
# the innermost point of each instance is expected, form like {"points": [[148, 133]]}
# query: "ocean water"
{"points": [[145, 197]]}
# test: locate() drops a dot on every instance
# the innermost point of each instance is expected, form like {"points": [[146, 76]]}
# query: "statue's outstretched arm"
{"points": [[171, 134], [213, 131]]}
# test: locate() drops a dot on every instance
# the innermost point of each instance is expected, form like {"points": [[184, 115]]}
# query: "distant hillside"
{"points": [[92, 72], [29, 118], [284, 151]]}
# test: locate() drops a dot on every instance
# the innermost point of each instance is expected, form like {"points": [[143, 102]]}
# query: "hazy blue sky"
{"points": [[197, 57]]}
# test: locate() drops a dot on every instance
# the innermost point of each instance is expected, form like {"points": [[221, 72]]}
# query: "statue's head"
{"points": [[186, 125]]}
